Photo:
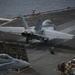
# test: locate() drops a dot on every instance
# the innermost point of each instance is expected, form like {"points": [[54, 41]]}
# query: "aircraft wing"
{"points": [[52, 34], [13, 30]]}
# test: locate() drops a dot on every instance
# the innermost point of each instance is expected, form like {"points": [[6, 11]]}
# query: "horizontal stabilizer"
{"points": [[24, 22]]}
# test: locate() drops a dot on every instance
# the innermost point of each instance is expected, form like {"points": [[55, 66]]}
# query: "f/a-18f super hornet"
{"points": [[44, 31], [7, 62]]}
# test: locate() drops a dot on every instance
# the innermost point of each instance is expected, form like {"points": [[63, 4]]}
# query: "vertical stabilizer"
{"points": [[38, 25], [24, 22]]}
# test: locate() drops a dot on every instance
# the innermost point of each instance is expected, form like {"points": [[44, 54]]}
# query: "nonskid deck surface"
{"points": [[42, 62]]}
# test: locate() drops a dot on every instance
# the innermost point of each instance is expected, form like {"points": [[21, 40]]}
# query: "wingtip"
{"points": [[73, 36]]}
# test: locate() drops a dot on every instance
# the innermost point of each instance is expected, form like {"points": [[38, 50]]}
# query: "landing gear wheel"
{"points": [[27, 40], [46, 41]]}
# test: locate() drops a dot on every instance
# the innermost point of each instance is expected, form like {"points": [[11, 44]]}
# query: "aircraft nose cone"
{"points": [[24, 64]]}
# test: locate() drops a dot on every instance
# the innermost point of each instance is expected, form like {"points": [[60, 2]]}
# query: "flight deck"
{"points": [[41, 60]]}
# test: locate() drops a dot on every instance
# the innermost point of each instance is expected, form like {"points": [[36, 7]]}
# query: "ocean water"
{"points": [[13, 8]]}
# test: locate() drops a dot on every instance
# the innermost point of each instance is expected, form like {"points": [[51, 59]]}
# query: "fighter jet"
{"points": [[7, 62], [44, 31]]}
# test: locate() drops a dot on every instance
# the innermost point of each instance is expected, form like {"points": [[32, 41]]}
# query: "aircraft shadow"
{"points": [[44, 47]]}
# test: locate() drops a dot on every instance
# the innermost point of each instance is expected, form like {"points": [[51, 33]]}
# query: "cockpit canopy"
{"points": [[5, 56], [47, 23]]}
